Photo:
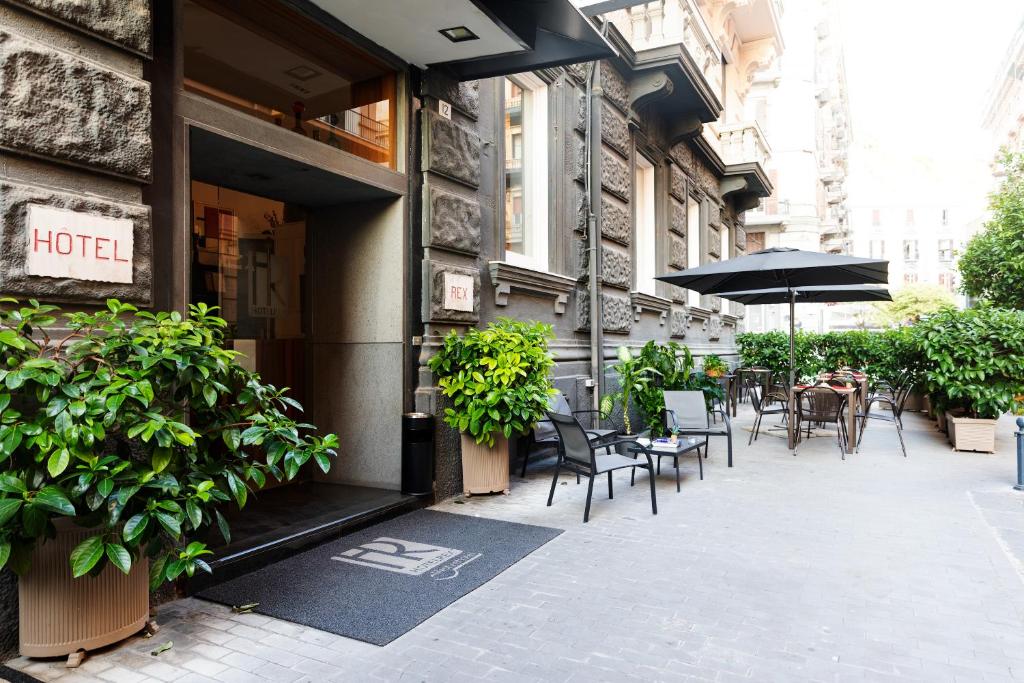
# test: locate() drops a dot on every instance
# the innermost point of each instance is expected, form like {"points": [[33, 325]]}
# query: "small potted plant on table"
{"points": [[498, 381], [714, 366], [120, 443]]}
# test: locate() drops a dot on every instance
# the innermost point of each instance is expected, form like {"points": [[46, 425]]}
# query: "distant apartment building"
{"points": [[801, 105], [921, 243], [1004, 109]]}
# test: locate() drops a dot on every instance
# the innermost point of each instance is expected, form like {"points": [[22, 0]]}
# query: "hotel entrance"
{"points": [[305, 267], [295, 226]]}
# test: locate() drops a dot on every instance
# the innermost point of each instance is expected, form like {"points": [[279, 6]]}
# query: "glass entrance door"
{"points": [[249, 259]]}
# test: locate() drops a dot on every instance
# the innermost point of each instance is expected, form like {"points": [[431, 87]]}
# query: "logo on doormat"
{"points": [[395, 555]]}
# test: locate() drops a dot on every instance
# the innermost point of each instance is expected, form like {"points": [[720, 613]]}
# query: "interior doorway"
{"points": [[306, 266]]}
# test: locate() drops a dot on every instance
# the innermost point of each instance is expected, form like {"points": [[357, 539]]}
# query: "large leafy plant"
{"points": [[634, 378], [497, 378], [974, 359], [139, 426]]}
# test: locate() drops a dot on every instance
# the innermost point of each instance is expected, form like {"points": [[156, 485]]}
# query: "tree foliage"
{"points": [[139, 425], [992, 265], [911, 303]]}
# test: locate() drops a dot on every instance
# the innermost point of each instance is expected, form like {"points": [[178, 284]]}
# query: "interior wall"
{"points": [[357, 306]]}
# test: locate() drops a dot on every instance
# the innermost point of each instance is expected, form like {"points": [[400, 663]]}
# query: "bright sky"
{"points": [[918, 74]]}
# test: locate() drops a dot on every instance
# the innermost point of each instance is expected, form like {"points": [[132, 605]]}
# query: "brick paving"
{"points": [[781, 569]]}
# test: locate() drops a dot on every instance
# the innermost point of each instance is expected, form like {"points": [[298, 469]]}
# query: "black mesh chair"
{"points": [[543, 434], [576, 452], [771, 404], [822, 404], [895, 415]]}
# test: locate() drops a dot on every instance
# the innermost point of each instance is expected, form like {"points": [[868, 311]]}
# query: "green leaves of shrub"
{"points": [[140, 424], [497, 378]]}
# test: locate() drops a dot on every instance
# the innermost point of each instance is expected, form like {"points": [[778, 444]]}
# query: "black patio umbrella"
{"points": [[781, 268], [807, 295]]}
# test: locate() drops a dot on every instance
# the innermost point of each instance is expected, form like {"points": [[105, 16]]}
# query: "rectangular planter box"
{"points": [[915, 402], [970, 434], [484, 470]]}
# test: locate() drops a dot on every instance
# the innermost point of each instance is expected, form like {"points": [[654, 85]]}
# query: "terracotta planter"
{"points": [[484, 469], [970, 434], [59, 615]]}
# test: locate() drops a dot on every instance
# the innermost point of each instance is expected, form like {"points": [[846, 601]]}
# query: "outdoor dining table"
{"points": [[862, 381], [851, 413]]}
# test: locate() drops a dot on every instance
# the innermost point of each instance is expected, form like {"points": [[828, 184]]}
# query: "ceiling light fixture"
{"points": [[458, 34]]}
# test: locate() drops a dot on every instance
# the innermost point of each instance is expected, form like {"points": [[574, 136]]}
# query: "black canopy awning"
{"points": [[554, 33]]}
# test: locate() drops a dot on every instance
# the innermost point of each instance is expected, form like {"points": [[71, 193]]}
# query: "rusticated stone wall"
{"points": [[75, 131]]}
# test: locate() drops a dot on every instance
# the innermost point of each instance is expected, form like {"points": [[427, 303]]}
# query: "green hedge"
{"points": [[883, 355], [971, 359]]}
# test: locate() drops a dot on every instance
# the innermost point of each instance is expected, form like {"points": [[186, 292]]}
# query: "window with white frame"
{"points": [[876, 249], [946, 250], [726, 243], [692, 244], [526, 171], [910, 252], [646, 263]]}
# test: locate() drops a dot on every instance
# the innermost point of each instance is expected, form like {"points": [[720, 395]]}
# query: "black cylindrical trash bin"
{"points": [[417, 454]]}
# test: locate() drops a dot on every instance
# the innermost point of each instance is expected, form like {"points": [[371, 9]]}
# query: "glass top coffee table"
{"points": [[664, 448]]}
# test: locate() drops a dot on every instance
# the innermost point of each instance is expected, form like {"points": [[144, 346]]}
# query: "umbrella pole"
{"points": [[792, 368]]}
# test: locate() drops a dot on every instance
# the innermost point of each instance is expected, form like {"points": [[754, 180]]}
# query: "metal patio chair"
{"points": [[821, 404], [578, 453], [545, 435], [895, 415], [688, 412], [767, 406]]}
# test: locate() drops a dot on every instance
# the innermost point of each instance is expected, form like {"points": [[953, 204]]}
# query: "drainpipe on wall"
{"points": [[592, 177]]}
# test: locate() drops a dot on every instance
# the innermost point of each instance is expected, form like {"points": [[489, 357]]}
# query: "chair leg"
{"points": [[610, 496], [654, 499], [753, 432], [675, 461], [590, 494], [659, 464], [899, 433], [700, 466], [554, 481]]}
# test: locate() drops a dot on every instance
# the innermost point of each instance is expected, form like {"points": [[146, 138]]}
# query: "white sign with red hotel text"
{"points": [[458, 292], [82, 246]]}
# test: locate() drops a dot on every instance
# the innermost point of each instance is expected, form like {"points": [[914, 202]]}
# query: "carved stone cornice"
{"points": [[507, 278], [642, 301]]}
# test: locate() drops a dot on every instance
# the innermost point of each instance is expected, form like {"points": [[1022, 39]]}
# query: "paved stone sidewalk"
{"points": [[780, 569]]}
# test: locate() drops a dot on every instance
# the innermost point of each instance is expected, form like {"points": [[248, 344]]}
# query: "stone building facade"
{"points": [[325, 193]]}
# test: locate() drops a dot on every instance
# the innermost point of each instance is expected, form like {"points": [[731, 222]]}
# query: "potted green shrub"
{"points": [[121, 442], [972, 362], [498, 381], [714, 366]]}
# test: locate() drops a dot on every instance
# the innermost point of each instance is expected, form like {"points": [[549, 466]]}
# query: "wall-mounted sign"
{"points": [[81, 246], [458, 292], [444, 109]]}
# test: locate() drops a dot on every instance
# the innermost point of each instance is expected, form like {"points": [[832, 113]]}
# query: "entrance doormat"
{"points": [[382, 581]]}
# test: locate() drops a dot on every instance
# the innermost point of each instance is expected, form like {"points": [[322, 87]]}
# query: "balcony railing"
{"points": [[744, 143], [672, 22]]}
